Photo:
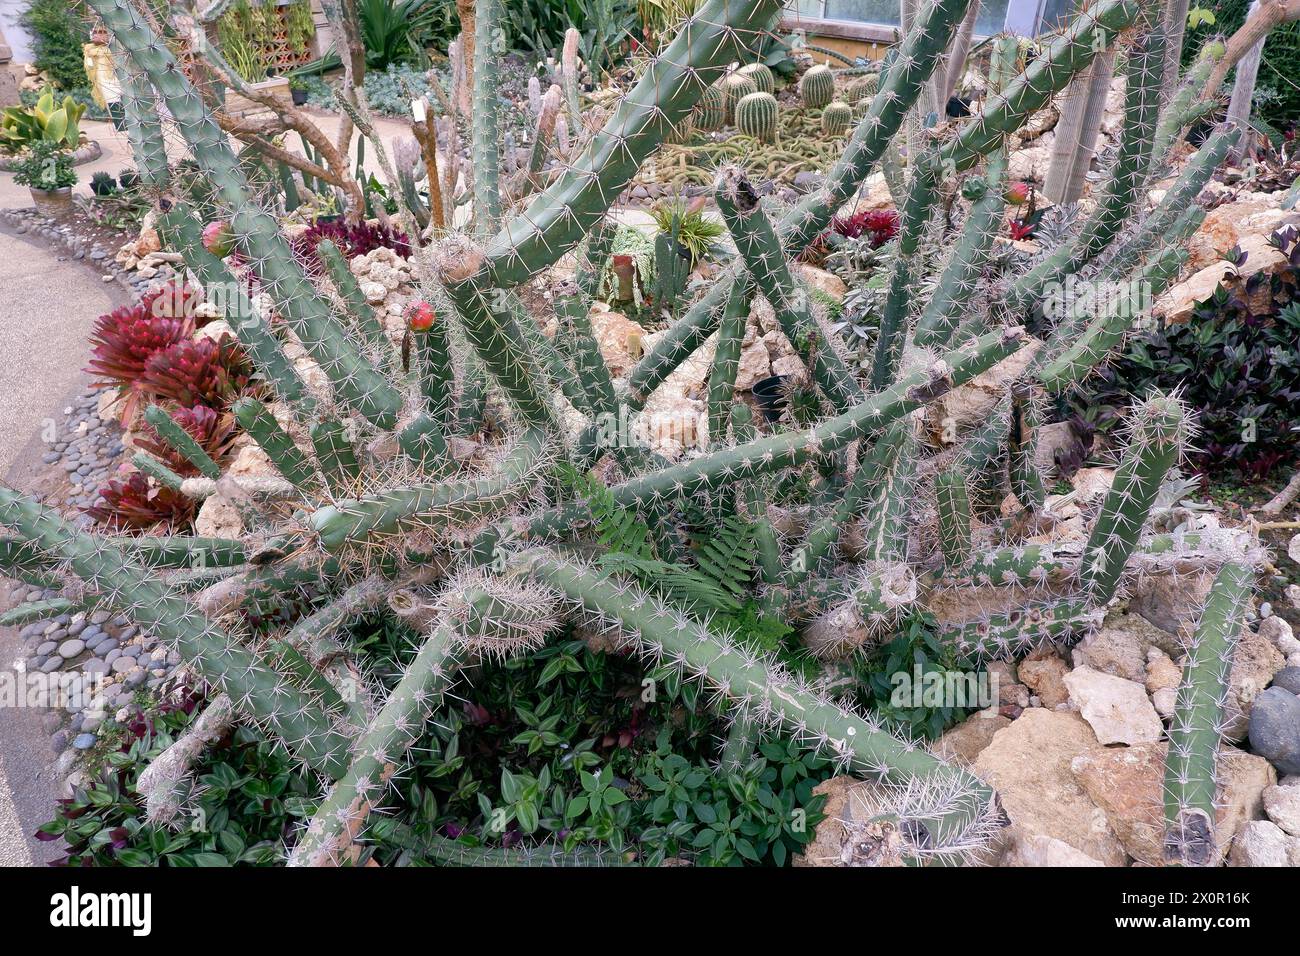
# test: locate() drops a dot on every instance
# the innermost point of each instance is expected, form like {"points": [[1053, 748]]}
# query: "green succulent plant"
{"points": [[48, 121]]}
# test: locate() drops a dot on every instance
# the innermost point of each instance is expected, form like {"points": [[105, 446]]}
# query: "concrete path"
{"points": [[47, 307]]}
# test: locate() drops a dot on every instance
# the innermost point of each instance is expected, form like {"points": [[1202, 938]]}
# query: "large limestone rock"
{"points": [[1028, 764], [1282, 804], [618, 338], [1037, 850], [972, 402], [1254, 663], [1262, 843], [1177, 303], [218, 518], [963, 743], [1127, 783], [1249, 215], [1117, 709], [1044, 673]]}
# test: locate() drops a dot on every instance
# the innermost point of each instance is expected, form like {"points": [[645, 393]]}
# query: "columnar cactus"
{"points": [[380, 499]]}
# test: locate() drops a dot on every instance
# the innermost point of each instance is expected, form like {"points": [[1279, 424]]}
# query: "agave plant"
{"points": [[393, 493]]}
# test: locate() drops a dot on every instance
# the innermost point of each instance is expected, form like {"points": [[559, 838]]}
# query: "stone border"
{"points": [[80, 156]]}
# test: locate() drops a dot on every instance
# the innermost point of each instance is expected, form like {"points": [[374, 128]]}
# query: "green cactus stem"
{"points": [[711, 113], [1012, 634], [380, 753], [485, 144], [1191, 783], [954, 517], [757, 244], [1158, 434], [156, 470], [357, 383], [181, 441], [256, 689], [354, 300], [726, 363], [338, 459], [760, 690], [758, 115], [31, 611], [256, 419], [1026, 418], [720, 33]]}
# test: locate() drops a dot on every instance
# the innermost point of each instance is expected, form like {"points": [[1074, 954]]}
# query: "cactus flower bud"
{"points": [[218, 238], [1018, 193], [420, 316]]}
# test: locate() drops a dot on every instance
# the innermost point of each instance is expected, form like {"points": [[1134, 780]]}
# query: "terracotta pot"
{"points": [[53, 203]]}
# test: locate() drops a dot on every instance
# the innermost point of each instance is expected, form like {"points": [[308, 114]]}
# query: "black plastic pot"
{"points": [[770, 393], [299, 97]]}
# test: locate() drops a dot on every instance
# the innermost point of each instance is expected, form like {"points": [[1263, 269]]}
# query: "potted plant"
{"points": [[298, 90], [46, 169]]}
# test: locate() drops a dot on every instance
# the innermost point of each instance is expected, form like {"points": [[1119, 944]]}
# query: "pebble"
{"points": [[71, 648], [52, 664], [47, 648], [84, 741], [1275, 729], [123, 664]]}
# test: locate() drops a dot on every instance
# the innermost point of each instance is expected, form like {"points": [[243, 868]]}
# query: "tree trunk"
{"points": [[464, 94], [1243, 93], [1077, 130]]}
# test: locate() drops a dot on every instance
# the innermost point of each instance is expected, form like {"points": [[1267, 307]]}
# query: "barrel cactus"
{"points": [[736, 87], [395, 495], [837, 118], [711, 113], [757, 115], [762, 76], [817, 86]]}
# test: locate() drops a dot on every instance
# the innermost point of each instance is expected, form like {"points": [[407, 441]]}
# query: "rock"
{"points": [[71, 648], [1177, 303], [1262, 843], [1288, 678], [1117, 709], [1028, 763], [838, 839], [823, 281], [1118, 651], [1277, 631], [1227, 225], [1035, 849], [619, 338], [1048, 439], [972, 402], [968, 739], [1282, 805], [1170, 601], [1127, 783], [1162, 681], [754, 366], [1044, 672], [219, 518], [84, 741], [1275, 729], [1090, 483]]}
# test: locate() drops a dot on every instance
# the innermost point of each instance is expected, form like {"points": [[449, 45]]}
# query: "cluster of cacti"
{"points": [[381, 505]]}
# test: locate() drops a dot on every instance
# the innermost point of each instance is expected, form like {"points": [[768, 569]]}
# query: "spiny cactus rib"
{"points": [[884, 507], [795, 447], [1186, 105], [738, 749], [184, 234], [1178, 198], [485, 144], [719, 33], [1026, 418], [256, 419], [338, 459], [156, 470], [422, 441], [726, 362], [949, 303], [380, 753], [922, 193], [1112, 323], [837, 117], [143, 129], [1013, 634], [868, 607], [292, 715], [32, 611], [758, 247], [1128, 173], [1158, 434], [1191, 785], [434, 507], [357, 383], [495, 335], [181, 441], [354, 300], [954, 517], [755, 685], [817, 86]]}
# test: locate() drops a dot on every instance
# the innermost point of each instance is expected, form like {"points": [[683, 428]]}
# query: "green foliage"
{"points": [[250, 796], [588, 749], [917, 649], [1277, 94], [1236, 361], [537, 27], [47, 120], [45, 165], [58, 29], [687, 225]]}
